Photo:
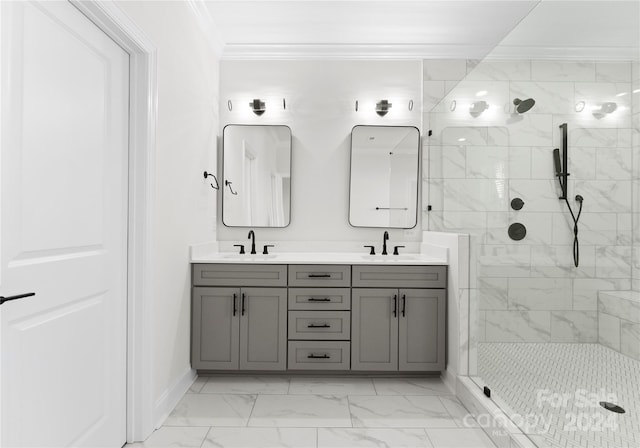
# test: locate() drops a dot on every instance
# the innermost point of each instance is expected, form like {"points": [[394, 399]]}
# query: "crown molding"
{"points": [[207, 25], [423, 51], [347, 51], [566, 53]]}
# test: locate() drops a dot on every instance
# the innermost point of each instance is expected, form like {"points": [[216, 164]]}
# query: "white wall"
{"points": [[185, 205], [635, 110], [320, 110]]}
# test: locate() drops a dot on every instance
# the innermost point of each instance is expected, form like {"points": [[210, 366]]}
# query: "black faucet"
{"points": [[253, 241], [385, 238]]}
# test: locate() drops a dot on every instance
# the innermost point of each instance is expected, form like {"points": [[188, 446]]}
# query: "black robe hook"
{"points": [[217, 186]]}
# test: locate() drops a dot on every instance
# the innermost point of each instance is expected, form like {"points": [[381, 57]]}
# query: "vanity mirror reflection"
{"points": [[383, 188], [256, 164]]}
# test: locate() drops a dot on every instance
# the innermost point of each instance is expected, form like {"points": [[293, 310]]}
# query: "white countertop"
{"points": [[320, 258]]}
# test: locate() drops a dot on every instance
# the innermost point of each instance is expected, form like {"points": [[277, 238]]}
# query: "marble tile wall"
{"points": [[619, 321], [475, 164]]}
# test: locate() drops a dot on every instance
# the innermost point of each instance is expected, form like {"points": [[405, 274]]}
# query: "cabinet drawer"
{"points": [[239, 275], [319, 275], [319, 355], [333, 325], [400, 276], [319, 298]]}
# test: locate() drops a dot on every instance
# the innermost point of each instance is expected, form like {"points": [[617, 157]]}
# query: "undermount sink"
{"points": [[388, 258], [249, 257]]}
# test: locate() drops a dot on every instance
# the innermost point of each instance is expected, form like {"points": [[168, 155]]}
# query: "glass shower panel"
{"points": [[538, 327]]}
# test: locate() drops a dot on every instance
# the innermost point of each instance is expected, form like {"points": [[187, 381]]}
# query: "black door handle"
{"points": [[243, 309], [404, 303], [319, 326], [395, 305], [235, 303], [319, 275], [16, 297], [313, 299], [312, 356]]}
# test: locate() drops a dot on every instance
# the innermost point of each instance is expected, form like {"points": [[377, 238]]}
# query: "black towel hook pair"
{"points": [[217, 185]]}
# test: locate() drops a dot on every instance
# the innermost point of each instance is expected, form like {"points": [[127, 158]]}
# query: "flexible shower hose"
{"points": [[576, 243]]}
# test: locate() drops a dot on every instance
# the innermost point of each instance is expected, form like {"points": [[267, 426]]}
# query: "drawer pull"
{"points": [[319, 276], [319, 326], [312, 356], [313, 299]]}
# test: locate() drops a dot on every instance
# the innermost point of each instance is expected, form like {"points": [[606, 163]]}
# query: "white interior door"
{"points": [[63, 229]]}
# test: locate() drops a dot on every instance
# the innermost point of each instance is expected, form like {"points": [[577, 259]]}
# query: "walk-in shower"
{"points": [[554, 326]]}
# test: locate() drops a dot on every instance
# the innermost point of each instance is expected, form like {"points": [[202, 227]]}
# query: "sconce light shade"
{"points": [[383, 107], [257, 106], [605, 108], [477, 107]]}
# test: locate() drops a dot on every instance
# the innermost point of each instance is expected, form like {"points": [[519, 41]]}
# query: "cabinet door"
{"points": [[263, 329], [422, 329], [374, 329], [215, 329]]}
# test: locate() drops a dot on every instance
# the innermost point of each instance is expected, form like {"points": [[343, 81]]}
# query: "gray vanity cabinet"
{"points": [[421, 329], [396, 328], [215, 329], [237, 327], [374, 329], [372, 318]]}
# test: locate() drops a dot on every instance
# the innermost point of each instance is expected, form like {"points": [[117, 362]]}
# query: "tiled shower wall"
{"points": [[529, 290]]}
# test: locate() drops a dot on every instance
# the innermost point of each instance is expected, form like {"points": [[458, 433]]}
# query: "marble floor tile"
{"points": [[297, 411], [174, 436], [246, 385], [331, 386], [459, 438], [379, 438], [197, 385], [456, 409], [411, 386], [261, 438], [211, 410], [399, 412]]}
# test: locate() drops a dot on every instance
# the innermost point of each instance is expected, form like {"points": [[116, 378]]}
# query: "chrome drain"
{"points": [[612, 407]]}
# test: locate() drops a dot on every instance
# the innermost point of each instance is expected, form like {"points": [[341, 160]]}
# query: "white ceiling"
{"points": [[425, 28]]}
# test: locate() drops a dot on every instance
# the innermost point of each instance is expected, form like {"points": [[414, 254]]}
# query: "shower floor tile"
{"points": [[553, 391]]}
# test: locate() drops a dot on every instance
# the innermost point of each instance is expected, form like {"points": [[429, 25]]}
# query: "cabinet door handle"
{"points": [[313, 299], [235, 303], [319, 326], [319, 275], [16, 297], [243, 309], [395, 305], [312, 356], [404, 303]]}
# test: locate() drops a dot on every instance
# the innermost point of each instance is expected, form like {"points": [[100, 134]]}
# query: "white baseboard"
{"points": [[172, 395], [449, 379]]}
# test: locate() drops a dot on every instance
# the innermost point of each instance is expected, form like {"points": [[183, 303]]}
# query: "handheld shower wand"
{"points": [[561, 174], [556, 161]]}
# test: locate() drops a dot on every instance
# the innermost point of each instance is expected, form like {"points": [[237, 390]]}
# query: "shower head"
{"points": [[523, 106]]}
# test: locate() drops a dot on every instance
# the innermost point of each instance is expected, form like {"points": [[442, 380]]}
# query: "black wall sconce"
{"points": [[382, 107], [257, 106]]}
